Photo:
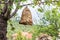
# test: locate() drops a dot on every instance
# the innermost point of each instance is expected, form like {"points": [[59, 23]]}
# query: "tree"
{"points": [[5, 12], [5, 16]]}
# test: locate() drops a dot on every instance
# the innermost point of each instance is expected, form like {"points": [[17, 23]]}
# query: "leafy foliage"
{"points": [[35, 30]]}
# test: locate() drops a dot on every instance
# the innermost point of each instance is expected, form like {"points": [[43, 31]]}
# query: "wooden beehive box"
{"points": [[26, 17]]}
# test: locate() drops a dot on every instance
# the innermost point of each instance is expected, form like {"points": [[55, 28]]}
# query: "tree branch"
{"points": [[5, 7], [7, 14], [14, 11], [3, 2]]}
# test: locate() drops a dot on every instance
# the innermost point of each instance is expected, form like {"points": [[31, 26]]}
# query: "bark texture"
{"points": [[26, 17], [3, 27]]}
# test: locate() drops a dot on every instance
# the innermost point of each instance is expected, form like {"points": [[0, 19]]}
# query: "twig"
{"points": [[14, 11]]}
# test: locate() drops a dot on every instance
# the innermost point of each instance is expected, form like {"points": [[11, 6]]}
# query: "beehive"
{"points": [[26, 17]]}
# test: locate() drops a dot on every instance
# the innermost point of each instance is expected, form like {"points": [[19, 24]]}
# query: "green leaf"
{"points": [[16, 1], [58, 3], [23, 0], [40, 10], [19, 7], [36, 2]]}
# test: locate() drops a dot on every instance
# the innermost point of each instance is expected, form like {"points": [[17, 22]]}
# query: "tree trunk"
{"points": [[3, 27]]}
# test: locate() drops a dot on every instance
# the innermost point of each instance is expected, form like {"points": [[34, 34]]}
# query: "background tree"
{"points": [[6, 7]]}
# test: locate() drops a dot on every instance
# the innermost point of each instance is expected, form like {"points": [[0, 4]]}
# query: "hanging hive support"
{"points": [[26, 17]]}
